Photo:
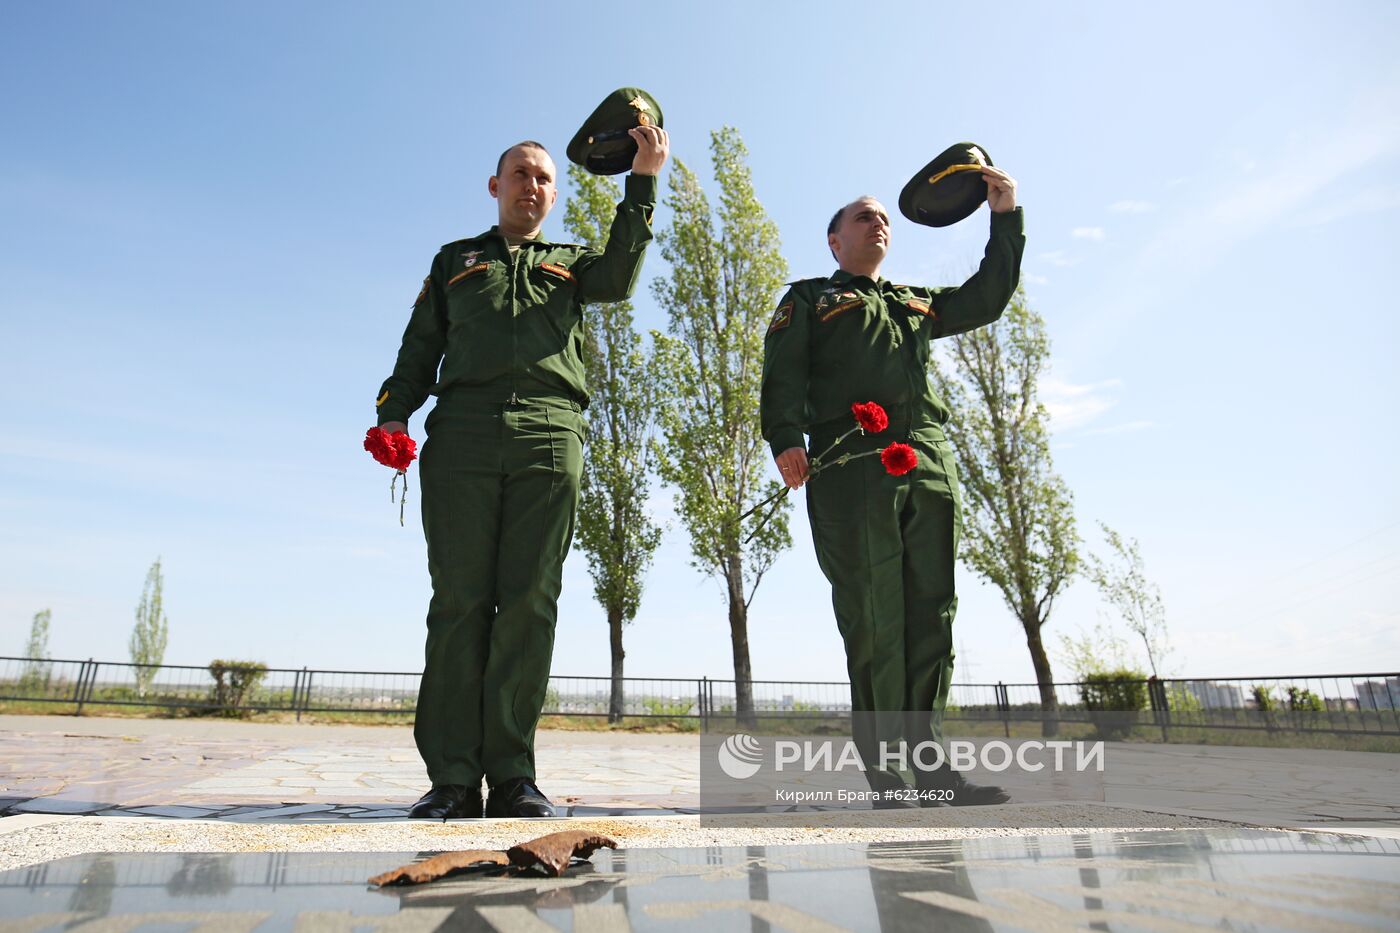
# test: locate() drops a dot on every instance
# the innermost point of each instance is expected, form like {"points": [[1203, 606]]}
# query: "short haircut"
{"points": [[523, 144], [836, 220]]}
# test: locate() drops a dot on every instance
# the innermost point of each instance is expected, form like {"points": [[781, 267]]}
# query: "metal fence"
{"points": [[1360, 704]]}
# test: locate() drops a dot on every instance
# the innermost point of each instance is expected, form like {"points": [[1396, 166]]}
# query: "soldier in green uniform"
{"points": [[887, 544], [495, 334]]}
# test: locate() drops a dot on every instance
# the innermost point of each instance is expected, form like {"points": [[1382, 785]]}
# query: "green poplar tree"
{"points": [[1019, 530], [719, 296], [148, 637], [34, 676], [614, 528]]}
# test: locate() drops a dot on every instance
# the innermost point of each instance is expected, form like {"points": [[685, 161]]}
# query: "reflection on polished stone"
{"points": [[1122, 881]]}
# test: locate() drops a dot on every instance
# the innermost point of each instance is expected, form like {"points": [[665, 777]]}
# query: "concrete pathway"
{"points": [[72, 785]]}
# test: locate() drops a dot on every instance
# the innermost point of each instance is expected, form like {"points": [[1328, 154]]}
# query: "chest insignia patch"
{"points": [[557, 270], [470, 258], [469, 272], [837, 309]]}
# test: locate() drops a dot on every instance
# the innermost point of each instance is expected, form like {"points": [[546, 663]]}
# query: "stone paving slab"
{"points": [[254, 772], [1168, 881]]}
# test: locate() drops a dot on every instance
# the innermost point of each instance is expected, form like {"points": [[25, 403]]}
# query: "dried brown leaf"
{"points": [[552, 852], [440, 866]]}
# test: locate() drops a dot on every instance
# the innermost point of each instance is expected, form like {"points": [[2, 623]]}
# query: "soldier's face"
{"points": [[524, 191], [863, 234]]}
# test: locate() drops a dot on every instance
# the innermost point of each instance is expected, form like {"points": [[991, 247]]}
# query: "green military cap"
{"points": [[602, 145], [948, 189]]}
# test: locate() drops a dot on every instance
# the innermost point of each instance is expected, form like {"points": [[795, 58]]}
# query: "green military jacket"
{"points": [[494, 320], [845, 339]]}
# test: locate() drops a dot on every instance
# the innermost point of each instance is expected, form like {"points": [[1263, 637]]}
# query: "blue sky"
{"points": [[213, 218]]}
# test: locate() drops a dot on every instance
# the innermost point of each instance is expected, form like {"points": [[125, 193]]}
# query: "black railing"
{"points": [[1358, 704]]}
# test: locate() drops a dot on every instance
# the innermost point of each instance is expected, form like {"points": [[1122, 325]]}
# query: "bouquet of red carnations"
{"points": [[396, 450], [870, 418]]}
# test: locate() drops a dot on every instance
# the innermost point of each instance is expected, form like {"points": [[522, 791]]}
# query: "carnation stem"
{"points": [[776, 499], [816, 461], [404, 497], [816, 465]]}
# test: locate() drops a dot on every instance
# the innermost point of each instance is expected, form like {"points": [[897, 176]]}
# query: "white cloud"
{"points": [[1074, 405], [1088, 233], [1132, 207], [1030, 278]]}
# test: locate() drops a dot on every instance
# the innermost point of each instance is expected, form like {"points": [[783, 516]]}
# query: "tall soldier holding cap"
{"points": [[496, 335], [887, 544]]}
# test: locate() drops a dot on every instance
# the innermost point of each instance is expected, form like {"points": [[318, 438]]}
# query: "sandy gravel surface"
{"points": [[32, 839]]}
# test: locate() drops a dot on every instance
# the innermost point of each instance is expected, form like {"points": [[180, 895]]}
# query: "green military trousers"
{"points": [[887, 545], [500, 485]]}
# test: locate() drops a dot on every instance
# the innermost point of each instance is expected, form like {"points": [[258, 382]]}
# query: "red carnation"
{"points": [[396, 450], [403, 449], [379, 445], [899, 459], [870, 416]]}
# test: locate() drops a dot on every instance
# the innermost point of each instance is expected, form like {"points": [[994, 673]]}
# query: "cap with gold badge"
{"points": [[948, 189], [602, 145]]}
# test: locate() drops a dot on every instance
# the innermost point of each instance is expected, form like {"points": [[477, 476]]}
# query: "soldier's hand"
{"points": [[653, 145], [393, 427], [1001, 189], [792, 464]]}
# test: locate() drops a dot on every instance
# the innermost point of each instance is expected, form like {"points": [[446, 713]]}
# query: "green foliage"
{"points": [[1181, 700], [149, 636], [614, 527], [718, 298], [1019, 530], [1113, 699], [1093, 652], [235, 682], [657, 706], [722, 287], [1138, 601], [1267, 705], [35, 674], [1302, 700]]}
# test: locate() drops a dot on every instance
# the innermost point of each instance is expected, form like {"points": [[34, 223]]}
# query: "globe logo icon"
{"points": [[740, 756]]}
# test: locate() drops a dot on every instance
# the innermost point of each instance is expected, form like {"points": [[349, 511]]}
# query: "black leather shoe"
{"points": [[958, 791], [448, 802], [518, 797]]}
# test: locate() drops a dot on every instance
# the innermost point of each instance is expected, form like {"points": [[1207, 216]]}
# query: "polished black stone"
{"points": [[1251, 880]]}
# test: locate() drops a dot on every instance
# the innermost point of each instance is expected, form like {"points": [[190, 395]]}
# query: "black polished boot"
{"points": [[448, 802], [518, 797], [945, 787]]}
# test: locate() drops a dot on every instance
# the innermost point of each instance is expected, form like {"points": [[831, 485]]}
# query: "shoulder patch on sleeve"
{"points": [[422, 293], [781, 318]]}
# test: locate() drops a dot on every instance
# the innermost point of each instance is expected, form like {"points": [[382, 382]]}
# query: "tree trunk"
{"points": [[739, 639], [1049, 706], [615, 702]]}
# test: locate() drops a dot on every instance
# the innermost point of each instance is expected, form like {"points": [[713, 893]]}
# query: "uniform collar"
{"points": [[842, 277], [495, 232]]}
